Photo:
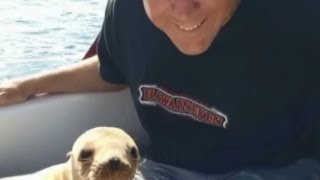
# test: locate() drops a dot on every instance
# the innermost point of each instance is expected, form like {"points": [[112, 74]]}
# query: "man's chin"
{"points": [[193, 48]]}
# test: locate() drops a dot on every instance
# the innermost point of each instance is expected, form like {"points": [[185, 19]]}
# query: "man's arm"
{"points": [[83, 76]]}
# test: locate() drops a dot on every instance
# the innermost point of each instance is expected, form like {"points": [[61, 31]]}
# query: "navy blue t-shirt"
{"points": [[250, 100]]}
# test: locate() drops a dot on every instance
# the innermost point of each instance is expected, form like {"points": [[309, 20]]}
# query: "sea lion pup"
{"points": [[101, 153]]}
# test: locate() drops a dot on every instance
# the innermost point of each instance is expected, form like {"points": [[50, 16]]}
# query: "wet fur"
{"points": [[106, 142]]}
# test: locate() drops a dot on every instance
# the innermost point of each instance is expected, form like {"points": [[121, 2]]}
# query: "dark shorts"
{"points": [[304, 169]]}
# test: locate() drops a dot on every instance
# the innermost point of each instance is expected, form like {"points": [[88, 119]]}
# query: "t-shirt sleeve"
{"points": [[107, 48]]}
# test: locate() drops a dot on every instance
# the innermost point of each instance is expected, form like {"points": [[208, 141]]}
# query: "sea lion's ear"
{"points": [[69, 154]]}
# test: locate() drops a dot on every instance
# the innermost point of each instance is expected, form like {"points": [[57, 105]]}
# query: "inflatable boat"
{"points": [[40, 132]]}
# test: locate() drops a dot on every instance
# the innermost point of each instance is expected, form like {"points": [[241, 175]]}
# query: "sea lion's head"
{"points": [[105, 153]]}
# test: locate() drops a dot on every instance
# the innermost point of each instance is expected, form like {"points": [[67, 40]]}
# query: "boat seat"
{"points": [[41, 131]]}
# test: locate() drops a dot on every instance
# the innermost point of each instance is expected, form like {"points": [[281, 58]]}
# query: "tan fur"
{"points": [[105, 143]]}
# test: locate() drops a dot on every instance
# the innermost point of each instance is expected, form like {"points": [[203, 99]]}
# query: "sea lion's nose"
{"points": [[114, 163]]}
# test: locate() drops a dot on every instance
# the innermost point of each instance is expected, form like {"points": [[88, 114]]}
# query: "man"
{"points": [[227, 89]]}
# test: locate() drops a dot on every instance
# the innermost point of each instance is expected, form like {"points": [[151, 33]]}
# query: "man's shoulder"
{"points": [[122, 8], [295, 16], [127, 4]]}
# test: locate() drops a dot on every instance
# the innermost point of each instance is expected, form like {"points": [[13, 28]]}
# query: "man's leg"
{"points": [[150, 170], [304, 169]]}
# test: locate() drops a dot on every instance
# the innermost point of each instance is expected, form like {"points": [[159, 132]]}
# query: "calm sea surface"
{"points": [[40, 35]]}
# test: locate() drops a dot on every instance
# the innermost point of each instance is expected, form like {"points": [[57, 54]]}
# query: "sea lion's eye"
{"points": [[85, 155], [134, 152]]}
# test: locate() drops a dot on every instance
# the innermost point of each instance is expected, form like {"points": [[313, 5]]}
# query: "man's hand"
{"points": [[11, 92]]}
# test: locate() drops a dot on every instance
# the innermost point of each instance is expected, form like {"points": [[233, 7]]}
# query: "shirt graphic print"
{"points": [[181, 105]]}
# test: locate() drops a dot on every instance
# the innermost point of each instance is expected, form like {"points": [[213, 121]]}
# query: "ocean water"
{"points": [[40, 35]]}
